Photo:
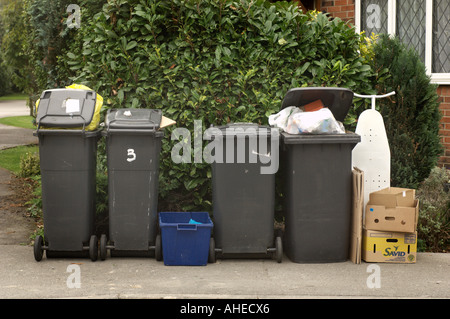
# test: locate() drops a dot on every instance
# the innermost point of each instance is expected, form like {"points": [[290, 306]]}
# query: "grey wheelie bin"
{"points": [[68, 154], [133, 144], [243, 188], [317, 183]]}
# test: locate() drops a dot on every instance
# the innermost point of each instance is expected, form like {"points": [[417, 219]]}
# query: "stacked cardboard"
{"points": [[357, 216], [389, 224], [390, 229]]}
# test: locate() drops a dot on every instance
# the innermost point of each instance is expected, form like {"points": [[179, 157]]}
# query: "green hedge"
{"points": [[411, 116], [216, 61]]}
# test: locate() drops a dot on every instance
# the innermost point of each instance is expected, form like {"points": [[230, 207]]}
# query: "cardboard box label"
{"points": [[391, 247]]}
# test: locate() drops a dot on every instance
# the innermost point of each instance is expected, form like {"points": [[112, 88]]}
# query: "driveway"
{"points": [[13, 136]]}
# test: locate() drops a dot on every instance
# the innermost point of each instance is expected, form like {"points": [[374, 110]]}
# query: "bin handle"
{"points": [[187, 227], [373, 97], [131, 131], [83, 131]]}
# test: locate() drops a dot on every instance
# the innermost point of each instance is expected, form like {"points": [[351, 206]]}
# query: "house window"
{"points": [[421, 24], [411, 25], [441, 36]]}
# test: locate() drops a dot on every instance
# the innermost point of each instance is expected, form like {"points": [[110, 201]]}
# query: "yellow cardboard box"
{"points": [[389, 247]]}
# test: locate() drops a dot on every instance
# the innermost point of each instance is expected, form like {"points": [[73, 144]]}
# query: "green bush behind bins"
{"points": [[217, 61], [411, 116]]}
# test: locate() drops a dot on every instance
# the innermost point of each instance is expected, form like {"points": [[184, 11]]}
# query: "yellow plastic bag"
{"points": [[98, 105]]}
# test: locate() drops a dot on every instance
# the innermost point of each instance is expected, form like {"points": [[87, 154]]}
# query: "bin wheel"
{"points": [[103, 250], [93, 248], [38, 248], [158, 248], [278, 249], [212, 251]]}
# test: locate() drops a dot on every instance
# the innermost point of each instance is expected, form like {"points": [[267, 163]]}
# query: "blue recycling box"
{"points": [[185, 238]]}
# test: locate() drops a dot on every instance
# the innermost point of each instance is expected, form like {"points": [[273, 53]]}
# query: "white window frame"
{"points": [[438, 78]]}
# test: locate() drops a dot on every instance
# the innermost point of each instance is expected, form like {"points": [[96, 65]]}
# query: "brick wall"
{"points": [[444, 93], [344, 9]]}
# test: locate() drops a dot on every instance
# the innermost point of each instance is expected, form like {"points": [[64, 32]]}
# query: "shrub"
{"points": [[218, 61], [29, 165], [35, 203], [411, 116], [434, 216]]}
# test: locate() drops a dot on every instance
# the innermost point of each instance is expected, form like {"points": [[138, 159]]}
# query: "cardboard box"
{"points": [[389, 247], [357, 215], [165, 122], [392, 209], [313, 106]]}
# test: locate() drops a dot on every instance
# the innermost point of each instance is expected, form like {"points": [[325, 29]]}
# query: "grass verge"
{"points": [[19, 121], [14, 96], [10, 158]]}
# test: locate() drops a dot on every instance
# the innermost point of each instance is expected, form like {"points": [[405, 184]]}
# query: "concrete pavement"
{"points": [[15, 136], [129, 278], [14, 108]]}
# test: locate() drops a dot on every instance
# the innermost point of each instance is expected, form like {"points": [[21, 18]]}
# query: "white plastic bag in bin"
{"points": [[294, 120], [317, 122], [282, 119]]}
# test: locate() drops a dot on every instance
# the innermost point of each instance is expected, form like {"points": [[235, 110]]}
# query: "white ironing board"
{"points": [[372, 155]]}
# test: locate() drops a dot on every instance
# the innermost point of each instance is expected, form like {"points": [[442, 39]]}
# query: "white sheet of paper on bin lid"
{"points": [[72, 106]]}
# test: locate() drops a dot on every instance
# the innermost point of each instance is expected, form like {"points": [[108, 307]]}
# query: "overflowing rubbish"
{"points": [[312, 118]]}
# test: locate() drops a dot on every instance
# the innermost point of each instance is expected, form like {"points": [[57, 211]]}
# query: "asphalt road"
{"points": [[12, 136]]}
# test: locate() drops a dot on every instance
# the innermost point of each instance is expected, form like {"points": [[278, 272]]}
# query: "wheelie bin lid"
{"points": [[347, 138], [133, 119], [338, 100], [239, 130], [66, 108]]}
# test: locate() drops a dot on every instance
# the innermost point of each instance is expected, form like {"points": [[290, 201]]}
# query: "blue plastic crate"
{"points": [[185, 238]]}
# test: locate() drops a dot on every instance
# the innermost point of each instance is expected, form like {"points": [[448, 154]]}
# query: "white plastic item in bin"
{"points": [[281, 119], [317, 122], [293, 120]]}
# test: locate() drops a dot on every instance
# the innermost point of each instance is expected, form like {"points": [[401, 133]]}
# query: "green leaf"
{"points": [[135, 103], [111, 34], [365, 68], [131, 45], [120, 96], [268, 26]]}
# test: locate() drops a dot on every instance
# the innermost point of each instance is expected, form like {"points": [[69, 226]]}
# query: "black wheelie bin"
{"points": [[317, 182], [133, 145], [68, 135], [243, 192]]}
